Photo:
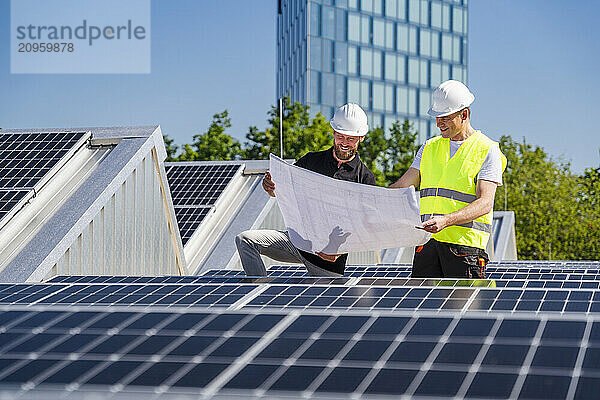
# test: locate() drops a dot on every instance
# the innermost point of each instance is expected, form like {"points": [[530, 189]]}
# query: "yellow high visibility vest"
{"points": [[449, 184]]}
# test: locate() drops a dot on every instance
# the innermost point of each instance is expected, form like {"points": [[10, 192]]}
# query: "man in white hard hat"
{"points": [[341, 161], [458, 173]]}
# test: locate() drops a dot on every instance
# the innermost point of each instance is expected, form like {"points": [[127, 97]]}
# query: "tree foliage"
{"points": [[554, 208], [372, 152], [301, 133], [389, 156], [171, 148], [589, 201], [214, 144], [401, 149]]}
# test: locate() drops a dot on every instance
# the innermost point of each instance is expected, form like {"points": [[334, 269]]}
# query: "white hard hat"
{"points": [[451, 96], [350, 120]]}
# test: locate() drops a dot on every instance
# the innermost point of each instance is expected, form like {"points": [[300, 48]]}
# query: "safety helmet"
{"points": [[350, 120], [451, 96]]}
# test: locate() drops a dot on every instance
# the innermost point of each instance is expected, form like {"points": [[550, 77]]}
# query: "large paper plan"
{"points": [[332, 216]]}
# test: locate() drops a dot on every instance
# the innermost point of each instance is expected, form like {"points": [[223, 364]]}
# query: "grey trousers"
{"points": [[273, 244]]}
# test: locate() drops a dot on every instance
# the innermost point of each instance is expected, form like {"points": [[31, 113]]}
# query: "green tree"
{"points": [[389, 157], [301, 134], [401, 149], [171, 148], [214, 144], [372, 152], [589, 201], [542, 193]]}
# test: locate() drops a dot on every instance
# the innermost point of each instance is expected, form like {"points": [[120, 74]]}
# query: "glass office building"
{"points": [[385, 55]]}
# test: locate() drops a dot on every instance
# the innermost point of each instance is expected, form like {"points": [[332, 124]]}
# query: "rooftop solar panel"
{"points": [[195, 190], [493, 271], [26, 158], [120, 294], [189, 219], [311, 294], [9, 199], [199, 185], [401, 271], [318, 354], [388, 279]]}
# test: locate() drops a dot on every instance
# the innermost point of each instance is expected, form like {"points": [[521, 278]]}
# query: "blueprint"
{"points": [[332, 216]]}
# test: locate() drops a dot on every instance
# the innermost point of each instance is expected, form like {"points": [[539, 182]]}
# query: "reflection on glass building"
{"points": [[385, 55]]}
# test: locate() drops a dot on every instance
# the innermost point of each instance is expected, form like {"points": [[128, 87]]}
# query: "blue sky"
{"points": [[533, 67]]}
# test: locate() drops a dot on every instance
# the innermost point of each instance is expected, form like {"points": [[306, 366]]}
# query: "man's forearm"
{"points": [[471, 212], [481, 206], [412, 177]]}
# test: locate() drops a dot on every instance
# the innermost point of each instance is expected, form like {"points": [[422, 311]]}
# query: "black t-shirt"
{"points": [[354, 171]]}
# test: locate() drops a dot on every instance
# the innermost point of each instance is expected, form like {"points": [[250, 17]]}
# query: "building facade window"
{"points": [[327, 89], [341, 58], [424, 18], [378, 96], [390, 67], [378, 32], [366, 62], [353, 27], [365, 94], [315, 19], [352, 60], [353, 90], [436, 15]]}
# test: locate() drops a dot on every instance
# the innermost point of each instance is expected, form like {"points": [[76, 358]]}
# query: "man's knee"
{"points": [[243, 238]]}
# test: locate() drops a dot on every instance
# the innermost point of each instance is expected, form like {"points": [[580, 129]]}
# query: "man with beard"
{"points": [[341, 161]]}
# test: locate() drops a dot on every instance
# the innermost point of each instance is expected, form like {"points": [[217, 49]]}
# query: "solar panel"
{"points": [[189, 219], [25, 158], [293, 279], [316, 293], [125, 294], [402, 271], [493, 271], [199, 185], [317, 354], [195, 189], [9, 199]]}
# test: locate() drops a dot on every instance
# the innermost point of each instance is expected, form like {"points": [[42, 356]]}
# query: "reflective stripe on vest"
{"points": [[449, 193], [449, 184]]}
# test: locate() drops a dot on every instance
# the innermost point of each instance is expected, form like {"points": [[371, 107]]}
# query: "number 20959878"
{"points": [[45, 47]]}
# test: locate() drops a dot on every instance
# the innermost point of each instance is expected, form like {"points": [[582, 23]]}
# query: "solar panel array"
{"points": [[195, 189], [371, 333], [247, 353], [25, 158]]}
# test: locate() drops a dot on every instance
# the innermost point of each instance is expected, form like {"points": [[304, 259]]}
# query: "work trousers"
{"points": [[446, 260], [273, 244]]}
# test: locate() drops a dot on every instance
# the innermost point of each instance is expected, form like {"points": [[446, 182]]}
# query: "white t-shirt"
{"points": [[491, 169]]}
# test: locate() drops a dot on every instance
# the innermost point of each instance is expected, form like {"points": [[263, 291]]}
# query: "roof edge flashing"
{"points": [[251, 167], [110, 136]]}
